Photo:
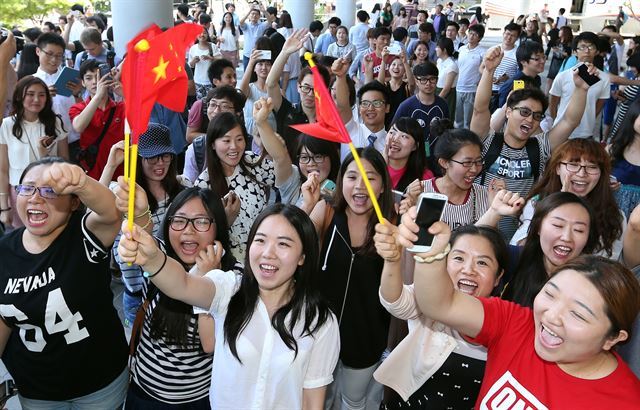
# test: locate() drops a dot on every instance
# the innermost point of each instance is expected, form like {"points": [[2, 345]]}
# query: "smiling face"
{"points": [[509, 38], [275, 253], [421, 52], [34, 99], [229, 149], [188, 242], [373, 117], [571, 325], [156, 168], [400, 144], [535, 65], [228, 77], [580, 183], [44, 216], [323, 168], [354, 190], [50, 57], [459, 175], [564, 232], [308, 99], [396, 69], [262, 68], [520, 127], [472, 266]]}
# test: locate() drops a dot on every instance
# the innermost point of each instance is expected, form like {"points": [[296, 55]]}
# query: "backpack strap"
{"points": [[533, 152], [492, 154], [199, 150]]}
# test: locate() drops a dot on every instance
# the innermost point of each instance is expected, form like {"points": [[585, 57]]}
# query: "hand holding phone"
{"points": [[583, 72], [394, 49], [429, 211]]}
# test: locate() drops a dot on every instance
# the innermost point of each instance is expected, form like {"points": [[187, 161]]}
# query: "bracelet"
{"points": [[433, 258], [3, 194], [148, 222], [5, 209], [148, 275], [147, 212]]}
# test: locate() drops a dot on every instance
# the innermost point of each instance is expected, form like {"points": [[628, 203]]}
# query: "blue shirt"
{"points": [[324, 41], [251, 33], [354, 68], [102, 58], [172, 120]]}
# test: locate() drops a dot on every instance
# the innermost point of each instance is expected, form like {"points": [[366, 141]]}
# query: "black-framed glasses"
{"points": [[52, 56], [528, 112], [317, 158], [576, 167], [200, 224], [424, 80], [29, 190], [222, 106], [306, 89], [167, 157], [469, 164], [375, 104], [539, 58]]}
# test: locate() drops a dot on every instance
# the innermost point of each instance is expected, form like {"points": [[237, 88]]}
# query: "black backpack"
{"points": [[533, 152], [111, 54], [200, 149]]}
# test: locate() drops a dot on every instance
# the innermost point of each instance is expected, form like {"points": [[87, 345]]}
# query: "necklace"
{"points": [[33, 151]]}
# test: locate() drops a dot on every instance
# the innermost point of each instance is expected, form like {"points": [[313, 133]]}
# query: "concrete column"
{"points": [[301, 12], [131, 16], [346, 11]]}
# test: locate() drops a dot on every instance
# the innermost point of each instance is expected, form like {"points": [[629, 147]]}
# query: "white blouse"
{"points": [[21, 152], [270, 376]]}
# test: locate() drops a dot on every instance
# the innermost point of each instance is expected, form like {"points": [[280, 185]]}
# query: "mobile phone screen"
{"points": [[429, 213], [583, 72]]}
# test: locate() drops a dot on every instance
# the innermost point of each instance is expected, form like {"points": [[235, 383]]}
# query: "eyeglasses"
{"points": [[375, 104], [164, 157], [222, 106], [576, 167], [424, 80], [586, 48], [317, 158], [539, 58], [527, 112], [29, 190], [179, 223], [468, 164], [306, 89], [52, 56]]}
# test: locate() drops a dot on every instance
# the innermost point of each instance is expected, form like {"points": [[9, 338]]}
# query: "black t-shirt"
{"points": [[66, 339], [287, 115]]}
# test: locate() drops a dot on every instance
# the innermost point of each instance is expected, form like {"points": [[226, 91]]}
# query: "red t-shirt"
{"points": [[377, 61], [114, 134], [397, 174], [517, 378]]}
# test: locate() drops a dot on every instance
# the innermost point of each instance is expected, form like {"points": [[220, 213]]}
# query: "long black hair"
{"points": [[385, 199], [221, 124], [223, 25], [47, 117], [417, 161], [626, 133], [305, 305], [170, 184], [319, 146], [170, 319], [531, 274]]}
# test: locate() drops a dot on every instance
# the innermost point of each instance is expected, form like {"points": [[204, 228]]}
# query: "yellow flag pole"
{"points": [[127, 142], [132, 185], [363, 173]]}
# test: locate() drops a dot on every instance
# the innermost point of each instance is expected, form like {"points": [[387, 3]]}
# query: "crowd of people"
{"points": [[257, 274]]}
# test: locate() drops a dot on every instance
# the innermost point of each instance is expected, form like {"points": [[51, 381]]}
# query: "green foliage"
{"points": [[17, 11], [103, 6]]}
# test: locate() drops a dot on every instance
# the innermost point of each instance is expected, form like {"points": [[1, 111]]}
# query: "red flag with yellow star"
{"points": [[153, 71]]}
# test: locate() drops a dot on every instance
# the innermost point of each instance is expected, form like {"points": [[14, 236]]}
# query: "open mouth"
{"points": [[36, 217], [189, 247], [360, 199], [268, 270], [548, 338], [526, 129], [467, 286], [562, 251]]}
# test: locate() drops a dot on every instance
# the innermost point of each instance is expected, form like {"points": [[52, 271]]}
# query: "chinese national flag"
{"points": [[329, 125], [154, 71]]}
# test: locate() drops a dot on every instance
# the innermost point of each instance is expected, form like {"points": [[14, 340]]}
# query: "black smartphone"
{"points": [[583, 72], [430, 208], [105, 70]]}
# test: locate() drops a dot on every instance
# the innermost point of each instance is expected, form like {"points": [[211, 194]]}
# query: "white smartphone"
{"points": [[430, 208], [265, 55], [395, 49]]}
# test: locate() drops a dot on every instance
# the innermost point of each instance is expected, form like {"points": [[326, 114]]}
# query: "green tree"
{"points": [[17, 11]]}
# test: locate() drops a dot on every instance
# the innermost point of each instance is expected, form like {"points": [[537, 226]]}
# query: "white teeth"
{"points": [[34, 212], [579, 183], [468, 282], [267, 267], [549, 331]]}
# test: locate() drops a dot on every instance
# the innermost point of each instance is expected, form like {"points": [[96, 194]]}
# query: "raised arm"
{"points": [[274, 145], [631, 240], [388, 248], [339, 69], [137, 246], [481, 118], [575, 110], [81, 121], [505, 203], [246, 78], [66, 178], [292, 45], [434, 291], [7, 52]]}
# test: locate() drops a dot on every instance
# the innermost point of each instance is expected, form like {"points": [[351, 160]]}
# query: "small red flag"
{"points": [[154, 71], [328, 125]]}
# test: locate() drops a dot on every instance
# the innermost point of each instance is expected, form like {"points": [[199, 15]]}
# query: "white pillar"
{"points": [[346, 11], [301, 12], [131, 16]]}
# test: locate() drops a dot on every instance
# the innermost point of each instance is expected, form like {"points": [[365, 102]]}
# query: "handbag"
{"points": [[87, 157]]}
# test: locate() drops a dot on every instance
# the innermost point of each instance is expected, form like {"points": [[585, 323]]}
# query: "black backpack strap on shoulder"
{"points": [[492, 154], [533, 152], [199, 144]]}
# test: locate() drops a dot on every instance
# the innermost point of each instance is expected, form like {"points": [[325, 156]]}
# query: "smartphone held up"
{"points": [[430, 208]]}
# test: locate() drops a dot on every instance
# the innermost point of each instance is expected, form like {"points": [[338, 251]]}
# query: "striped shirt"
{"points": [[508, 66], [474, 206]]}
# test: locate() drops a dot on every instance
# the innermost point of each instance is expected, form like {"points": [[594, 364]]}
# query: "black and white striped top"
{"points": [[169, 373], [474, 206]]}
